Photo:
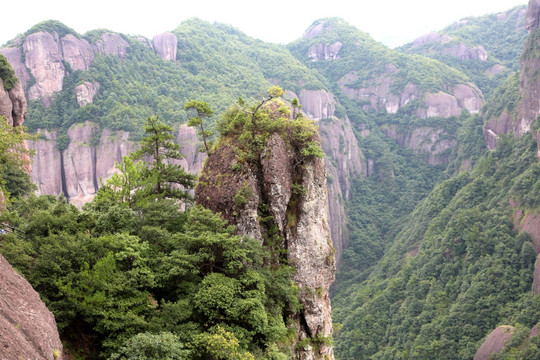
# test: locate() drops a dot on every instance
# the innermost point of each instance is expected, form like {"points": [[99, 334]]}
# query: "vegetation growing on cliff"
{"points": [[7, 74]]}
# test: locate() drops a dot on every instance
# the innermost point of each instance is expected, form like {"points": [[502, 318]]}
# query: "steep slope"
{"points": [[91, 93], [463, 262], [270, 182], [515, 105], [28, 328], [486, 48]]}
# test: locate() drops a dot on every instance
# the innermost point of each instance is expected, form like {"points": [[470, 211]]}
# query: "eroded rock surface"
{"points": [[166, 45], [27, 328], [324, 52], [14, 57], [77, 52], [44, 60], [111, 44], [494, 342], [300, 217], [85, 93]]}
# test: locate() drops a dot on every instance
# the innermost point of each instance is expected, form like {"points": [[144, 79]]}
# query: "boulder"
{"points": [[27, 328], [494, 342]]}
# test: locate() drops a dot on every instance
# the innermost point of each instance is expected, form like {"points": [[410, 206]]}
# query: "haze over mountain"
{"points": [[430, 174]]}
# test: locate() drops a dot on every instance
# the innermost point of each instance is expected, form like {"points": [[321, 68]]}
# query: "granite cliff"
{"points": [[279, 196]]}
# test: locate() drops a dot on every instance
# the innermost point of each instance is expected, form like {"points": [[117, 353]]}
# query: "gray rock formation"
{"points": [[166, 45], [85, 93], [76, 52], [111, 44], [494, 342], [300, 217], [44, 60], [90, 158], [27, 328], [324, 52], [13, 56]]}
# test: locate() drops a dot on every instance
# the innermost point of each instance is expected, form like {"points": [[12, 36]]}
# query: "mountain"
{"points": [[434, 234], [457, 280], [485, 48]]}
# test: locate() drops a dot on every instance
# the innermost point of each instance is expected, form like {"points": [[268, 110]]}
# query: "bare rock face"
{"points": [[13, 56], [77, 52], [529, 87], [430, 38], [314, 30], [377, 93], [189, 142], [166, 45], [300, 217], [18, 99], [85, 93], [318, 104], [533, 15], [44, 60], [528, 222], [90, 157], [495, 70], [441, 104], [46, 164], [536, 278], [111, 44], [464, 53], [469, 97], [344, 159], [324, 52], [79, 162], [27, 328], [146, 42], [494, 342], [423, 140]]}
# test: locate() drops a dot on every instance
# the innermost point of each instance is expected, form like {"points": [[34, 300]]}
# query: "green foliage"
{"points": [[243, 195], [7, 74], [505, 97], [501, 35], [453, 272], [140, 289], [51, 26], [369, 59], [162, 178], [148, 346], [14, 157], [203, 110]]}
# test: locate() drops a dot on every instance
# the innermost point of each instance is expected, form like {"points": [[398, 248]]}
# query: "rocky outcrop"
{"points": [[378, 95], [46, 164], [28, 329], [495, 70], [317, 104], [13, 56], [314, 30], [536, 277], [528, 222], [324, 52], [44, 60], [424, 140], [528, 108], [166, 45], [533, 15], [494, 342], [90, 158], [111, 44], [236, 190], [465, 53], [76, 52], [85, 93], [344, 159], [432, 37]]}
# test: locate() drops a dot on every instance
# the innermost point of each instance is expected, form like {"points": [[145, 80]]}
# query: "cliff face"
{"points": [[27, 328], [528, 108], [13, 104], [239, 192], [344, 159], [90, 157]]}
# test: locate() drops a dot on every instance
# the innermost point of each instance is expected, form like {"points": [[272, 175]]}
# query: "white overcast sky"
{"points": [[394, 22]]}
